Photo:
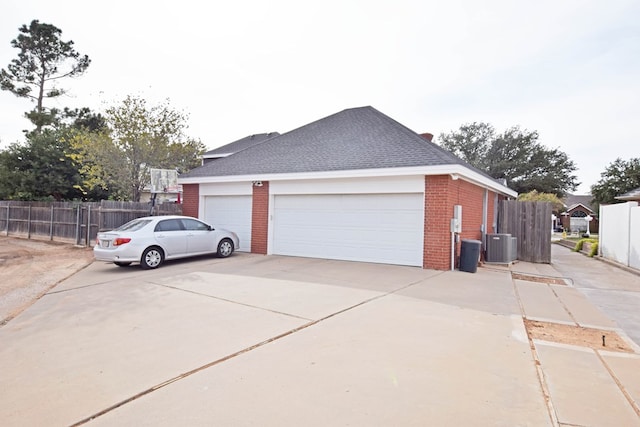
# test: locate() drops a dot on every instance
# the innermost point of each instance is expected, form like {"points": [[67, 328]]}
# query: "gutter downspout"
{"points": [[453, 250]]}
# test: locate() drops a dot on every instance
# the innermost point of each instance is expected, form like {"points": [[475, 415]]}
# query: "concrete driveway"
{"points": [[257, 340]]}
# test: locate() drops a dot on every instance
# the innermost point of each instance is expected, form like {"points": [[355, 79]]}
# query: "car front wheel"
{"points": [[225, 248], [151, 258]]}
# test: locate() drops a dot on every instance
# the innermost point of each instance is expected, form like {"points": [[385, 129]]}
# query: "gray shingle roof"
{"points": [[633, 195], [239, 145], [357, 138], [573, 200]]}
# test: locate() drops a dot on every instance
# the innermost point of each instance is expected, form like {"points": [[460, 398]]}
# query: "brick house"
{"points": [[356, 185], [578, 208]]}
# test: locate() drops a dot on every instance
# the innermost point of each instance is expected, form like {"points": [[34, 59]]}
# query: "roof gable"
{"points": [[578, 206]]}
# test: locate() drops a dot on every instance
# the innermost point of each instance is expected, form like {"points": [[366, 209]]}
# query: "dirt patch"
{"points": [[539, 279], [576, 335], [29, 268]]}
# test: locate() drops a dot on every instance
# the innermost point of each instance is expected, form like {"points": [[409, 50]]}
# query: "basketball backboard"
{"points": [[164, 181]]}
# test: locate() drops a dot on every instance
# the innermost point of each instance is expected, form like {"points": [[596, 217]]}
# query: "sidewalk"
{"points": [[613, 290], [586, 386]]}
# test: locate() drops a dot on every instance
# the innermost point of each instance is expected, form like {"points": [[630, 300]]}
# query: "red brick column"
{"points": [[190, 199], [260, 219], [438, 211]]}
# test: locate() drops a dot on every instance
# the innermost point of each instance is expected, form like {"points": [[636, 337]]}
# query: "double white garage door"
{"points": [[382, 228], [385, 228]]}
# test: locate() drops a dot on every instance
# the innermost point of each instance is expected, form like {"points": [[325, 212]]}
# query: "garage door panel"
{"points": [[347, 219], [375, 228], [232, 213]]}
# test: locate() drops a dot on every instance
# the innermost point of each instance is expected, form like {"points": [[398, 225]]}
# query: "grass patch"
{"points": [[577, 238]]}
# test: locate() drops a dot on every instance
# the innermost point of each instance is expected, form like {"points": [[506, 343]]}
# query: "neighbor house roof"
{"points": [[239, 145], [571, 201], [633, 195], [353, 139]]}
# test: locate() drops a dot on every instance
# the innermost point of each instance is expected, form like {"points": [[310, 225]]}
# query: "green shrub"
{"points": [[594, 249], [581, 242]]}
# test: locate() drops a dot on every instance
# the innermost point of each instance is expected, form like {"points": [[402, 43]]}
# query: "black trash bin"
{"points": [[470, 255]]}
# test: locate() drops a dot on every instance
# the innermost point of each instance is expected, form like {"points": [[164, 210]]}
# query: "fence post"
{"points": [[78, 225], [100, 218], [51, 224], [8, 207], [29, 224], [87, 242]]}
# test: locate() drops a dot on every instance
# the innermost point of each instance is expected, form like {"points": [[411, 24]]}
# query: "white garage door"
{"points": [[232, 213], [384, 228]]}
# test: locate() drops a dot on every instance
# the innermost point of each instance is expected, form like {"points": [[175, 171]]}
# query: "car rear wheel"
{"points": [[225, 248], [122, 264], [151, 258]]}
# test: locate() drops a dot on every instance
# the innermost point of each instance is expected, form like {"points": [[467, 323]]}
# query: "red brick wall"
{"points": [[260, 219], [437, 216], [441, 194], [190, 199], [471, 197]]}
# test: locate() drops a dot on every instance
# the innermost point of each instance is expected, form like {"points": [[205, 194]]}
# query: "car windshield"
{"points": [[134, 225]]}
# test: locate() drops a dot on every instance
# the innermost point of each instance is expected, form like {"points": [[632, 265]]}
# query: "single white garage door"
{"points": [[232, 213], [383, 228]]}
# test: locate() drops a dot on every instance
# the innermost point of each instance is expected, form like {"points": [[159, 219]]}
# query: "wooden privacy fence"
{"points": [[73, 221], [530, 223]]}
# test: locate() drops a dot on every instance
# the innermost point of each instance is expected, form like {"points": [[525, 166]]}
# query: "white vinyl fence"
{"points": [[619, 233]]}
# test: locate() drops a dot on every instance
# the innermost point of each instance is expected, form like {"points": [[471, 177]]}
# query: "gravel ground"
{"points": [[29, 268]]}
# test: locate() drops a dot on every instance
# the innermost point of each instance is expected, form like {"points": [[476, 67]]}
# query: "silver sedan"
{"points": [[154, 239]]}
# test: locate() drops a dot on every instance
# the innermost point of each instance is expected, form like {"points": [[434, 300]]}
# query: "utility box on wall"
{"points": [[456, 221], [501, 248]]}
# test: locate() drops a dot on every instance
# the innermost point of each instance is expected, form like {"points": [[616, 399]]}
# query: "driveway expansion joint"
{"points": [[239, 352], [544, 386], [634, 405], [230, 301]]}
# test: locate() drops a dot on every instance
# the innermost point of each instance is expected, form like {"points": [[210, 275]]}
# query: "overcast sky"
{"points": [[569, 69]]}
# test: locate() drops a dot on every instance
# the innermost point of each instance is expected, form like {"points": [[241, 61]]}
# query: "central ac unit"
{"points": [[501, 248], [514, 248]]}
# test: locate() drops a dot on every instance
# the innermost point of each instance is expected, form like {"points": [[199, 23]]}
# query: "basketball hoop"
{"points": [[164, 181]]}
